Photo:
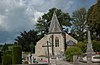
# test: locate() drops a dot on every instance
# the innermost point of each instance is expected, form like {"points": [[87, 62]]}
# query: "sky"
{"points": [[20, 15]]}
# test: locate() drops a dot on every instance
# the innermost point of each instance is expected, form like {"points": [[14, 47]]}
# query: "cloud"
{"points": [[19, 15]]}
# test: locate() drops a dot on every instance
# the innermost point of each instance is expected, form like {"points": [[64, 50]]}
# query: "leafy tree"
{"points": [[0, 57], [16, 55], [5, 47], [93, 19], [79, 24], [96, 45], [70, 52], [26, 38], [32, 47], [6, 59], [0, 45], [44, 22], [82, 46]]}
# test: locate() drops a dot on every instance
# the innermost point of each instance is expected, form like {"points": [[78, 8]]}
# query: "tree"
{"points": [[79, 24], [44, 22], [6, 59], [5, 47], [32, 47], [96, 45], [70, 52], [0, 57], [93, 19], [26, 38], [16, 55], [82, 46]]}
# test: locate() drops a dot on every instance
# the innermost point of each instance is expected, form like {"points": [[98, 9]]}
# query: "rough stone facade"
{"points": [[43, 50], [56, 37]]}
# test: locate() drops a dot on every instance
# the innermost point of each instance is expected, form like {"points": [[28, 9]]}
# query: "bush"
{"points": [[0, 57], [16, 55], [82, 46], [70, 52], [5, 47], [6, 59], [96, 45]]}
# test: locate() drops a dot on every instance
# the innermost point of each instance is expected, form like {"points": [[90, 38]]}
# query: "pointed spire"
{"points": [[89, 45], [54, 25]]}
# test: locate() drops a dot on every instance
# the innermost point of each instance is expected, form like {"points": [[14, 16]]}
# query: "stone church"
{"points": [[58, 40]]}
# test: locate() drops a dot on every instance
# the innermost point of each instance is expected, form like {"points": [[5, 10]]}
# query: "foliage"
{"points": [[82, 46], [16, 55], [0, 45], [32, 47], [5, 47], [44, 22], [93, 19], [96, 45], [79, 24], [72, 51], [7, 58], [26, 38], [0, 57]]}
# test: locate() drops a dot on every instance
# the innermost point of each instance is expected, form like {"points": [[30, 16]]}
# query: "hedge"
{"points": [[70, 52], [0, 57], [6, 59], [16, 55]]}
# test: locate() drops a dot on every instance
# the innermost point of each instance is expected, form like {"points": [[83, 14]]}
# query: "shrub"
{"points": [[6, 59], [72, 51], [0, 57], [96, 45], [82, 46], [5, 47], [16, 55]]}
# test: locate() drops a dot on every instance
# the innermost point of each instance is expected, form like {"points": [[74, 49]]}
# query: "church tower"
{"points": [[55, 36], [54, 25], [56, 39]]}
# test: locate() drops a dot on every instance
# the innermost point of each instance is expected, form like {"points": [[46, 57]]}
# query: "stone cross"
{"points": [[48, 52]]}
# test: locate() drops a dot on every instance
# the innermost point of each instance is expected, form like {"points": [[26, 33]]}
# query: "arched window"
{"points": [[56, 42], [50, 39]]}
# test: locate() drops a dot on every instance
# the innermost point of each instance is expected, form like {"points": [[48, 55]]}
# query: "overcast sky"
{"points": [[19, 15]]}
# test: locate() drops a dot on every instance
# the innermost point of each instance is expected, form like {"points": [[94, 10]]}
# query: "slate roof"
{"points": [[54, 25], [70, 43]]}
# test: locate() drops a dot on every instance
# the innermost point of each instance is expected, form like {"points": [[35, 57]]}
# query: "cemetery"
{"points": [[52, 44], [48, 54]]}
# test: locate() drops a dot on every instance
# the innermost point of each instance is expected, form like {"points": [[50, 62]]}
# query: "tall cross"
{"points": [[48, 51]]}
